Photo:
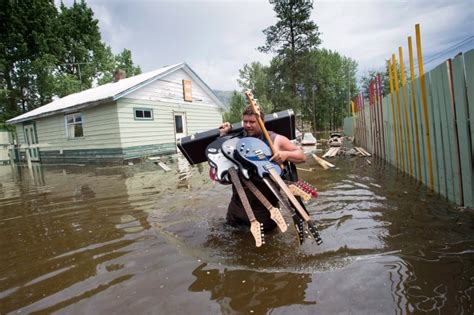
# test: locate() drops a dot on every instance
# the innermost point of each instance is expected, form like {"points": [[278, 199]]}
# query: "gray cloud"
{"points": [[216, 38]]}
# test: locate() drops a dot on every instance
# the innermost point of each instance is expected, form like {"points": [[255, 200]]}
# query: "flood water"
{"points": [[103, 240]]}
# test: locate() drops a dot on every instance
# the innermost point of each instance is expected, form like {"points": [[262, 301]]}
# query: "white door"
{"points": [[179, 125], [30, 138]]}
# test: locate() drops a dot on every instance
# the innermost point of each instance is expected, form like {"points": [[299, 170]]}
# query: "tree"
{"points": [[28, 48], [254, 77], [326, 88], [84, 53], [291, 37], [121, 61], [46, 52], [237, 105]]}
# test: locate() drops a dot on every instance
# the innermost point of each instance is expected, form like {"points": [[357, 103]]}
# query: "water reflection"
{"points": [[75, 238], [69, 220], [247, 292]]}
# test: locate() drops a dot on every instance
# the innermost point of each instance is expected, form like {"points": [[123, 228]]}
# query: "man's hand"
{"points": [[280, 157], [224, 129]]}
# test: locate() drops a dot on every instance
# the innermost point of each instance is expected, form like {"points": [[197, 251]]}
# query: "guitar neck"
{"points": [[240, 191], [277, 179]]}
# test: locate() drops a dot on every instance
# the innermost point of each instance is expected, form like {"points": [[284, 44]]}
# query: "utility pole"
{"points": [[78, 69], [314, 88]]}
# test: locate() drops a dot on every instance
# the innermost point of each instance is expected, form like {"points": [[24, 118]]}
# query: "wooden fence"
{"points": [[424, 127]]}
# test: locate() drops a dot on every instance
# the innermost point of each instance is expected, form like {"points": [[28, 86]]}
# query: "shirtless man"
{"points": [[285, 151]]}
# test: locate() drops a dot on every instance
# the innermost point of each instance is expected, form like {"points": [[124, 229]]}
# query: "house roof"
{"points": [[108, 92]]}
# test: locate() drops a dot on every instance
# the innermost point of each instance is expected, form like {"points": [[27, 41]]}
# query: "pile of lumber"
{"points": [[332, 152], [362, 151]]}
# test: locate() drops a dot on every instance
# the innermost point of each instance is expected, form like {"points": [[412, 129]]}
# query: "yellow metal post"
{"points": [[425, 105], [415, 114], [392, 90], [399, 115], [405, 106]]}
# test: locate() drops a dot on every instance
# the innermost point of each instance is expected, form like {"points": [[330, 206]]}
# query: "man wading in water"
{"points": [[285, 152]]}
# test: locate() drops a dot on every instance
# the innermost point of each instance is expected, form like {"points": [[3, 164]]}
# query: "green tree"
{"points": [[29, 46], [237, 105], [254, 77], [291, 38], [46, 52], [327, 86], [83, 50], [121, 61], [372, 75]]}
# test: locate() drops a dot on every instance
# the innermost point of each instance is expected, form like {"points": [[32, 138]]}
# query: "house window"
{"points": [[74, 126], [143, 113], [178, 121]]}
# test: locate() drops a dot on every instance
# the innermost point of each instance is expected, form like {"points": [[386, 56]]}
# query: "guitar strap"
{"points": [[275, 213]]}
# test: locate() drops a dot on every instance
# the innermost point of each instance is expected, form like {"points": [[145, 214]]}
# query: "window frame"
{"points": [[74, 123], [143, 109]]}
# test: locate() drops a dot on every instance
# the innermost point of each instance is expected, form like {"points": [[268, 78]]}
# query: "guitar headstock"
{"points": [[256, 228], [307, 188], [314, 232], [299, 227], [295, 190], [253, 103], [277, 217]]}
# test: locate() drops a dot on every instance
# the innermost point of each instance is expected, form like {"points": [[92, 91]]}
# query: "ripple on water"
{"points": [[198, 225]]}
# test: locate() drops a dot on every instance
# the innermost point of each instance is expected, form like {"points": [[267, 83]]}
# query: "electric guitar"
{"points": [[253, 152], [219, 163], [228, 150], [256, 228]]}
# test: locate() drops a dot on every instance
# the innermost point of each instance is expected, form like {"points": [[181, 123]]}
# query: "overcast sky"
{"points": [[216, 38]]}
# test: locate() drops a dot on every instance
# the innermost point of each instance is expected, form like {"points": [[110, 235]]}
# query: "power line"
{"points": [[449, 49]]}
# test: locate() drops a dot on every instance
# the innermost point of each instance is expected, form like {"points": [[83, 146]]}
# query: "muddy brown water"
{"points": [[100, 240]]}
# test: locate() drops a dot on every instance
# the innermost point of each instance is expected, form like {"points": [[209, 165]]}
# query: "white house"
{"points": [[131, 118]]}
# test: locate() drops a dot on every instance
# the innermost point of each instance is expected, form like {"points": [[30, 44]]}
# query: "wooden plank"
{"points": [[462, 117], [413, 107], [305, 169], [328, 152], [325, 164], [412, 132], [421, 133], [360, 152], [320, 162], [421, 73], [469, 63], [431, 151], [434, 101], [393, 117], [359, 149], [365, 152], [452, 149]]}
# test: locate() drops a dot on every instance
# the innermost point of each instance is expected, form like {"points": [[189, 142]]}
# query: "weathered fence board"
{"points": [[426, 132], [462, 119]]}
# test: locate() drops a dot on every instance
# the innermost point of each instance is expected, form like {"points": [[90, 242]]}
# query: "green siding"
{"points": [[109, 156], [199, 117]]}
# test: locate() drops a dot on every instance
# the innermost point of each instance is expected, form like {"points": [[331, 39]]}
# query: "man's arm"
{"points": [[287, 151]]}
